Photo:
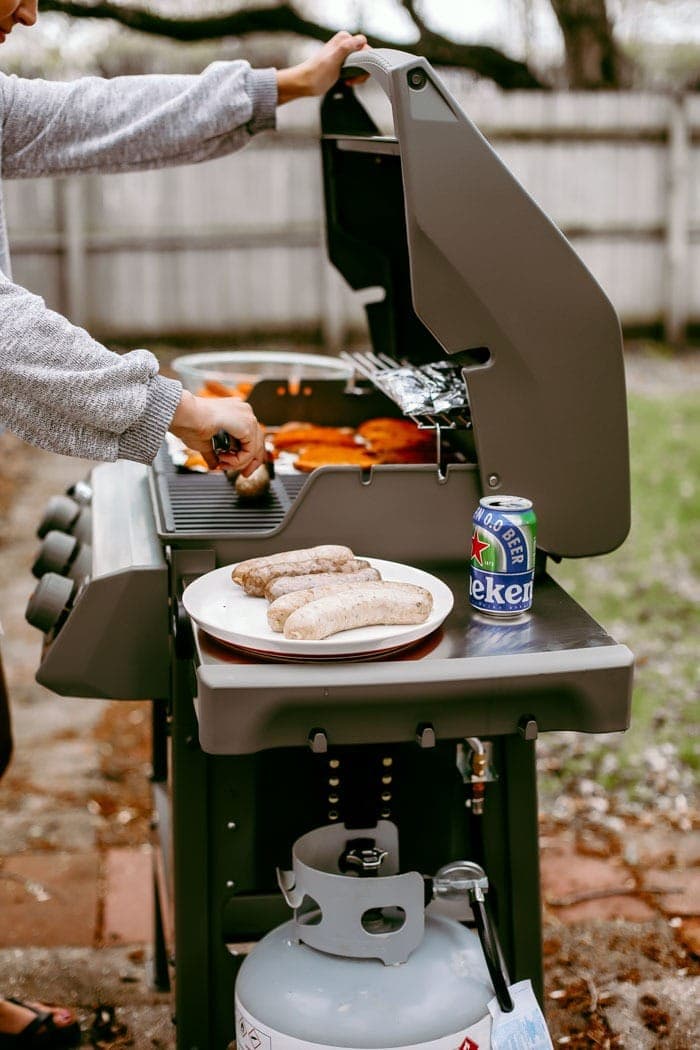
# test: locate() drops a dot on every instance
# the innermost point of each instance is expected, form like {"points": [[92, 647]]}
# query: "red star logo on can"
{"points": [[478, 546], [468, 1044]]}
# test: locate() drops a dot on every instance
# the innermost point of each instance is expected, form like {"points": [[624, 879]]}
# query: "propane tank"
{"points": [[362, 965]]}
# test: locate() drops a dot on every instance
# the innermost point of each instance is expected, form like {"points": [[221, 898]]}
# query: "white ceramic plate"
{"points": [[223, 609]]}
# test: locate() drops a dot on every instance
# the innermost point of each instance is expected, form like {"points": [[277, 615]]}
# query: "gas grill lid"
{"points": [[470, 266]]}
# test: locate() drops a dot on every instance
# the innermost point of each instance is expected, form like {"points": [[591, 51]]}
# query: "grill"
{"points": [[191, 505], [248, 754]]}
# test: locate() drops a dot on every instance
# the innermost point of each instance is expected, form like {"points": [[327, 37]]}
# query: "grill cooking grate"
{"points": [[207, 503]]}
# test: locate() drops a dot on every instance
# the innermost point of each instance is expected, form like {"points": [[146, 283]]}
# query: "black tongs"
{"points": [[224, 442]]}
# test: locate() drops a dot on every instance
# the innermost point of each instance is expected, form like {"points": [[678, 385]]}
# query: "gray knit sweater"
{"points": [[59, 388]]}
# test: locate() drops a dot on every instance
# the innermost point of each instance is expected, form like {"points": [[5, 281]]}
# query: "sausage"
{"points": [[254, 574], [257, 582], [383, 602], [283, 607], [330, 550], [255, 485], [357, 569]]}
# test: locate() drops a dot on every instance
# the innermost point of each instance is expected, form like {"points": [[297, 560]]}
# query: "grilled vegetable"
{"points": [[254, 486]]}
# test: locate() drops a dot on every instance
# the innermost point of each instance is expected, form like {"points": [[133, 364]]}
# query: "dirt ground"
{"points": [[621, 898]]}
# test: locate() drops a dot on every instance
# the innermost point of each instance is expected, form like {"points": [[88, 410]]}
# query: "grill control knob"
{"points": [[55, 554], [82, 563], [48, 603], [81, 492], [82, 526], [61, 514]]}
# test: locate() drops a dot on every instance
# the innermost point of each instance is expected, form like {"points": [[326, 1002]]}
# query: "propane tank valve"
{"points": [[362, 856], [464, 877]]}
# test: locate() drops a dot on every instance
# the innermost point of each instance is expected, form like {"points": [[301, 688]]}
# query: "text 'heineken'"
{"points": [[502, 563]]}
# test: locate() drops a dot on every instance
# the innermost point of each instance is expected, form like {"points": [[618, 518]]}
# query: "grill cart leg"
{"points": [[160, 975], [161, 860], [511, 858], [204, 969]]}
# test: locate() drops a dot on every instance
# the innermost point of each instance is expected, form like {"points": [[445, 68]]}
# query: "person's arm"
{"points": [[65, 392], [138, 122], [131, 123], [59, 388]]}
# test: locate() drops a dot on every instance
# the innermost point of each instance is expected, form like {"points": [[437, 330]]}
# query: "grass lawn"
{"points": [[647, 594]]}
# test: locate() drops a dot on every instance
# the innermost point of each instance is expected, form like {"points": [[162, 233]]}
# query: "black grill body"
{"points": [[248, 755]]}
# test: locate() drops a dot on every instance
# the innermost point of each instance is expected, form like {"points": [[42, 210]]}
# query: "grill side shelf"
{"points": [[587, 690], [555, 666]]}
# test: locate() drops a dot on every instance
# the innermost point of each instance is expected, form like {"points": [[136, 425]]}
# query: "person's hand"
{"points": [[197, 419], [320, 72]]}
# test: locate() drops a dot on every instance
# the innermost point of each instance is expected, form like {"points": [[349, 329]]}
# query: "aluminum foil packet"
{"points": [[432, 389]]}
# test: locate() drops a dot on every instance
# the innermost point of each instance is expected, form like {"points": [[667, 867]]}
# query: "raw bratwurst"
{"points": [[357, 569], [382, 602], [283, 607], [255, 574]]}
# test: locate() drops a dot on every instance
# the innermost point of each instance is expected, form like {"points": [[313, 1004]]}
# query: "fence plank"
{"points": [[74, 279], [236, 244], [677, 236]]}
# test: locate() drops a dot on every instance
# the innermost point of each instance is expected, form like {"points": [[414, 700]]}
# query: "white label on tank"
{"points": [[252, 1034], [524, 1027]]}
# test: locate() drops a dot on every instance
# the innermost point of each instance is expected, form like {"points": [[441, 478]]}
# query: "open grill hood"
{"points": [[470, 266]]}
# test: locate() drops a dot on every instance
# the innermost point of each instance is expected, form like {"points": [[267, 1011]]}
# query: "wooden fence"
{"points": [[234, 248]]}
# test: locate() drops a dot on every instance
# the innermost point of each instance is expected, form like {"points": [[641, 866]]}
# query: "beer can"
{"points": [[502, 561]]}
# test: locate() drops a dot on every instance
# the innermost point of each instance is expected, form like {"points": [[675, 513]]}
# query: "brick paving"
{"points": [[49, 900], [128, 897], [76, 899], [566, 876]]}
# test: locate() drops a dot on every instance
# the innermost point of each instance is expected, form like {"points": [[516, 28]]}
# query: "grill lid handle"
{"points": [[381, 63]]}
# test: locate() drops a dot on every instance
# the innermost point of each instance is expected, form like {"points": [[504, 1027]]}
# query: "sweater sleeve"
{"points": [[63, 391], [131, 123]]}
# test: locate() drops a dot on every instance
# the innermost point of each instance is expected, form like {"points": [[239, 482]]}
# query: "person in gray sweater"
{"points": [[62, 390]]}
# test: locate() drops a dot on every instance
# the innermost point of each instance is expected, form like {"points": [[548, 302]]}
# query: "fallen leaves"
{"points": [[654, 1017], [588, 1025]]}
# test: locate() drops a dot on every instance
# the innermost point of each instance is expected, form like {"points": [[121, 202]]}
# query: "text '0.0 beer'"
{"points": [[502, 563]]}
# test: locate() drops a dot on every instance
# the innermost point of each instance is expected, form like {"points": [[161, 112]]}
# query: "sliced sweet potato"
{"points": [[314, 456], [293, 439]]}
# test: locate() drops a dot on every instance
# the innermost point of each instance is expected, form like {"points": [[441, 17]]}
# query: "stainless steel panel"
{"points": [[115, 640]]}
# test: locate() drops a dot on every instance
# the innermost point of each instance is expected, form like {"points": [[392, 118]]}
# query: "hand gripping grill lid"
{"points": [[472, 267]]}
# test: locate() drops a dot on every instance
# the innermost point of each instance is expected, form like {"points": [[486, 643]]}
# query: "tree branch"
{"points": [[486, 61], [417, 18]]}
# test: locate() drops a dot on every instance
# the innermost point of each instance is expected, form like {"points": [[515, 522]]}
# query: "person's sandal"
{"points": [[40, 1034]]}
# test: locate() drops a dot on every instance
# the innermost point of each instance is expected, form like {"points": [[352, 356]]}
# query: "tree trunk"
{"points": [[593, 59]]}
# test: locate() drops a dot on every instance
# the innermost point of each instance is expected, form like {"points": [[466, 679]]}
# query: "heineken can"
{"points": [[502, 562]]}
